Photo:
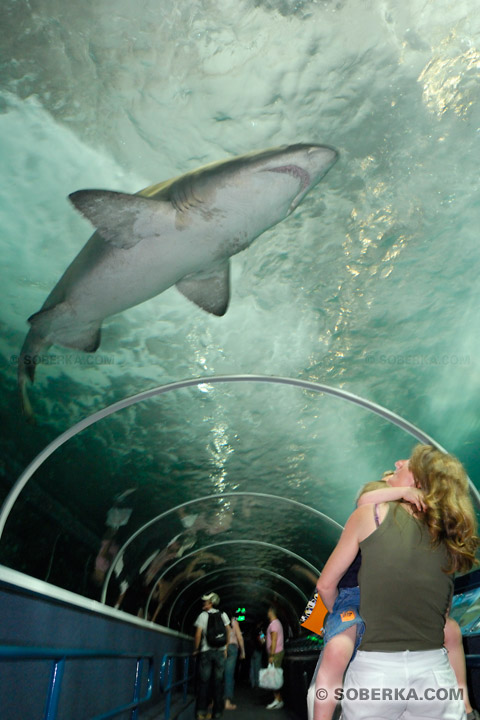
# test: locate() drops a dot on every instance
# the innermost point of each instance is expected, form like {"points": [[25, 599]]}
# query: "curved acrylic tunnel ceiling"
{"points": [[237, 484], [188, 576], [235, 527], [182, 605]]}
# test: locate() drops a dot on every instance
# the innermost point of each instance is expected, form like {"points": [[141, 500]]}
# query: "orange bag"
{"points": [[314, 616]]}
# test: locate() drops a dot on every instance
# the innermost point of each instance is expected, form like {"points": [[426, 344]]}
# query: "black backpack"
{"points": [[216, 635]]}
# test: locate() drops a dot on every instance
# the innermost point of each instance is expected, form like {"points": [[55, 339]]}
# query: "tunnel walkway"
{"points": [[251, 705]]}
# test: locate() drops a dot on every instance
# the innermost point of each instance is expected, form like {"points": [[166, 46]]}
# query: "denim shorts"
{"points": [[345, 614]]}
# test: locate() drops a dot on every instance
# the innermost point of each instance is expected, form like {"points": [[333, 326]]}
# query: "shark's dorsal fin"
{"points": [[209, 289], [121, 219]]}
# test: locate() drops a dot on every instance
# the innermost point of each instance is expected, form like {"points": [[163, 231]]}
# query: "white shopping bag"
{"points": [[271, 678]]}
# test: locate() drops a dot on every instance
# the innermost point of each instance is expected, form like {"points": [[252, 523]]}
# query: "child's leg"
{"points": [[337, 653], [456, 656], [311, 689]]}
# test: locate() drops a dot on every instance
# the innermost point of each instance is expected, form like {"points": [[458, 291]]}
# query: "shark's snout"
{"points": [[323, 157]]}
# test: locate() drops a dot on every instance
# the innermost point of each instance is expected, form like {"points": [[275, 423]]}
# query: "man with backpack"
{"points": [[210, 644]]}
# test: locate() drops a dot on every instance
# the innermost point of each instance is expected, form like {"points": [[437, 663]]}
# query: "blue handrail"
{"points": [[472, 660], [59, 658], [166, 674]]}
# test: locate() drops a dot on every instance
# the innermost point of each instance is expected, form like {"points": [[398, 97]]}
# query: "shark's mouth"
{"points": [[301, 175]]}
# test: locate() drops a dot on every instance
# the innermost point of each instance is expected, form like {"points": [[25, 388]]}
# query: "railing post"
{"points": [[137, 687], [186, 663], [168, 699], [53, 696], [58, 658], [167, 671]]}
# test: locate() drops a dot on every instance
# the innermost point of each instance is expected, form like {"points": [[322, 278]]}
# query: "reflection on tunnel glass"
{"points": [[145, 588], [118, 516], [149, 577]]}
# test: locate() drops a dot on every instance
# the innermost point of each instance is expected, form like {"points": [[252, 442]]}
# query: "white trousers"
{"points": [[408, 685]]}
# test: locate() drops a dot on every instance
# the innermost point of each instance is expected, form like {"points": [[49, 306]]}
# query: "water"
{"points": [[370, 286]]}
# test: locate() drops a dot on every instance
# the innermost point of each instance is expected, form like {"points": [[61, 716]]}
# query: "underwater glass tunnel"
{"points": [[213, 436]]}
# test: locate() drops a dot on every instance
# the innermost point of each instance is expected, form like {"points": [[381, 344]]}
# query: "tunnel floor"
{"points": [[251, 704]]}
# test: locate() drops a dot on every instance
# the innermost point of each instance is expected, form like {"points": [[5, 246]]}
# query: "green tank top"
{"points": [[404, 593]]}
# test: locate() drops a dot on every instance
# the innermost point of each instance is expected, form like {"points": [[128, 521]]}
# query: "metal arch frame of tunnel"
{"points": [[261, 543], [294, 613], [134, 399], [204, 498], [216, 545], [219, 571]]}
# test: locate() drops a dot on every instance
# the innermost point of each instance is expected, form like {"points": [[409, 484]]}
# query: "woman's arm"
{"points": [[389, 494]]}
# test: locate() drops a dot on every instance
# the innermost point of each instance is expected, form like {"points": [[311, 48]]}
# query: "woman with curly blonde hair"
{"points": [[449, 514], [408, 557]]}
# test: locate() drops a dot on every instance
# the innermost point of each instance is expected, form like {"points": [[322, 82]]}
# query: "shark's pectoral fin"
{"points": [[88, 340], [121, 219], [209, 289]]}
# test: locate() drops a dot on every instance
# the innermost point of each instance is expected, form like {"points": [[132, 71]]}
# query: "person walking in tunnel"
{"points": [[275, 652], [235, 645], [408, 557], [344, 626], [210, 644], [257, 642]]}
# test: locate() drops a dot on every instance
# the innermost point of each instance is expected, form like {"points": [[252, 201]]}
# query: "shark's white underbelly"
{"points": [[124, 278]]}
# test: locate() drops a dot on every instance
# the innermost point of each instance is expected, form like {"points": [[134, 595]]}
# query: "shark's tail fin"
{"points": [[27, 362]]}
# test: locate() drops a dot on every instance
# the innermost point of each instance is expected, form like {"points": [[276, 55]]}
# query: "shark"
{"points": [[181, 232]]}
